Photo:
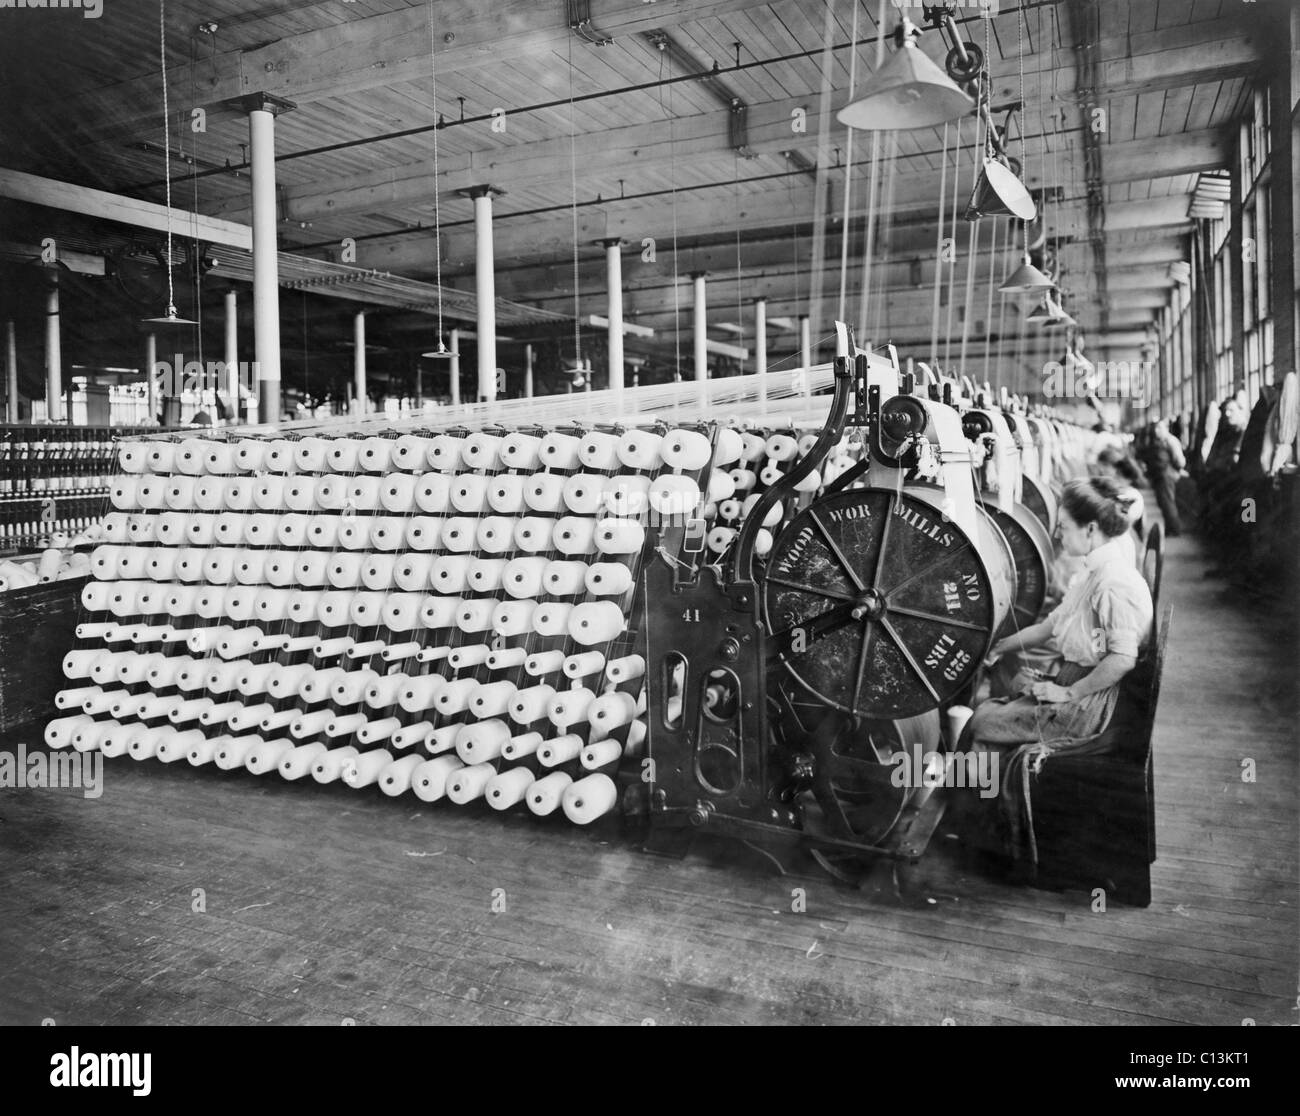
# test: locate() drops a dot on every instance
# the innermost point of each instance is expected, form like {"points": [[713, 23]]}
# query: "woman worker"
{"points": [[1098, 629]]}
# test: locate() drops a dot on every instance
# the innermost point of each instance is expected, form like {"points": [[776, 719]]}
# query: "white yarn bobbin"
{"points": [[234, 493], [424, 532], [429, 780], [569, 707], [534, 533], [619, 536], [589, 799], [595, 622], [450, 573], [544, 492], [395, 779], [439, 612], [291, 530], [522, 577], [397, 493], [674, 496], [376, 454], [688, 450], [542, 663], [584, 493], [508, 788], [583, 664], [496, 534], [151, 492], [520, 451], [311, 455], [526, 744], [505, 493], [608, 579], [133, 456], [551, 618], [485, 574], [332, 492], [344, 455], [491, 699], [387, 532], [600, 753], [377, 571], [560, 749], [354, 532], [545, 795], [409, 453], [179, 493], [458, 534], [627, 496], [564, 579], [782, 448], [559, 451], [640, 449], [219, 565], [412, 571], [420, 693], [599, 450], [364, 491], [469, 783], [311, 567], [268, 491], [574, 535], [475, 615], [122, 495], [479, 452], [730, 448], [444, 453], [531, 704], [367, 609], [298, 761], [141, 528], [479, 742]]}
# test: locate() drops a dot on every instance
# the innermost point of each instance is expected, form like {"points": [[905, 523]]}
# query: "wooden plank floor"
{"points": [[324, 903]]}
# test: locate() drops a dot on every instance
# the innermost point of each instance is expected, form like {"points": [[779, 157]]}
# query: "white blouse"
{"points": [[1107, 610]]}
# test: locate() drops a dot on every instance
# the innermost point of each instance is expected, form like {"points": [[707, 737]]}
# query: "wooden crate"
{"points": [[37, 628]]}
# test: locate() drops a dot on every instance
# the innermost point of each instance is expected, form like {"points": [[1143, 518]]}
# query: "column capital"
{"points": [[609, 241], [259, 102], [697, 274], [486, 190]]}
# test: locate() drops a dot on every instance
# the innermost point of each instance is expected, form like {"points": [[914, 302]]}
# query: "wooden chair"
{"points": [[1153, 562], [1094, 816]]}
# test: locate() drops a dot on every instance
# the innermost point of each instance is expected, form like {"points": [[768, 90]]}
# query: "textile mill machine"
{"points": [[704, 626]]}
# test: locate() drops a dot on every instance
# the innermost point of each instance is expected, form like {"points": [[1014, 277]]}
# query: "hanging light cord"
{"points": [[167, 149], [573, 184], [437, 212]]}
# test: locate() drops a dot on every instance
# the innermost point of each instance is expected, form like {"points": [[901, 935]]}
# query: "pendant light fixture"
{"points": [[908, 91], [171, 318]]}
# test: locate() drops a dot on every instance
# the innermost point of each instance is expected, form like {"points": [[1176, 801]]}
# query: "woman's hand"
{"points": [[1051, 692]]}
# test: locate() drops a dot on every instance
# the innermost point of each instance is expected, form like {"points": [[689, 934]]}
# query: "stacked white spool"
{"points": [[446, 615]]}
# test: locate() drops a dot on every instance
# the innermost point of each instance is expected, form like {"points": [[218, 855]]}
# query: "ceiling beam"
{"points": [[89, 202], [387, 49]]}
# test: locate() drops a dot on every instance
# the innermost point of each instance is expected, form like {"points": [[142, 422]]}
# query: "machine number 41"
{"points": [[691, 616]]}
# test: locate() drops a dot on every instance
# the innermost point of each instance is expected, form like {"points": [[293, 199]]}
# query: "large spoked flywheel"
{"points": [[878, 605]]}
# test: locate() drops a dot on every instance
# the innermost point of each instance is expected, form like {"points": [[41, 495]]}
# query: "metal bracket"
{"points": [[580, 22], [738, 129]]}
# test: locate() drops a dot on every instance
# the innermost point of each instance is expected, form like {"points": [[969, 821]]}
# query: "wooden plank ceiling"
{"points": [[631, 138]]}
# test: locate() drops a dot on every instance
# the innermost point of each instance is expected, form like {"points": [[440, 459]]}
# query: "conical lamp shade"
{"points": [[908, 91], [1042, 313], [440, 353], [1026, 279], [171, 319], [1059, 318], [999, 193]]}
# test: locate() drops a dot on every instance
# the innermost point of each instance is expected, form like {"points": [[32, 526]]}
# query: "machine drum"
{"points": [[878, 605]]}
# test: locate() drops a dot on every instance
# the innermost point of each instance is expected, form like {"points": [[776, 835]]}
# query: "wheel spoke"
{"points": [[884, 541], [864, 656], [927, 568], [911, 661], [839, 554], [833, 593], [822, 624], [946, 621]]}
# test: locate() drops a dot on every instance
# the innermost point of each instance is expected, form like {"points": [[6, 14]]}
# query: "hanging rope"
{"points": [[938, 254], [167, 148], [573, 185], [952, 275], [437, 211], [848, 174]]}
